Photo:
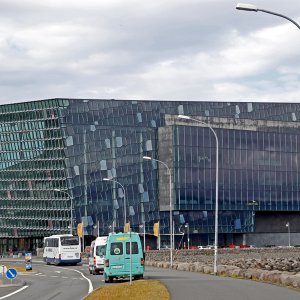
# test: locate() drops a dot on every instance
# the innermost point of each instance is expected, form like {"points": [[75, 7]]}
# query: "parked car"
{"points": [[206, 247], [193, 247], [165, 247]]}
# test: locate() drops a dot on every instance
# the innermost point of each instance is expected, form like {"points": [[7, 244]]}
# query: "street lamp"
{"points": [[252, 204], [188, 234], [251, 7], [217, 186], [108, 179], [289, 232], [171, 217], [71, 198]]}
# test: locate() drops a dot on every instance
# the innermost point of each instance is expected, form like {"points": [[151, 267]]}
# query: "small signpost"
{"points": [[11, 274], [3, 270], [28, 264]]}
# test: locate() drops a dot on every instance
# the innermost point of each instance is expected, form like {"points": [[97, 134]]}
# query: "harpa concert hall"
{"points": [[83, 160]]}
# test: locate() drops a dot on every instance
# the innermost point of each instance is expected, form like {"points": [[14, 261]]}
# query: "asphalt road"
{"points": [[54, 283], [74, 282], [191, 286]]}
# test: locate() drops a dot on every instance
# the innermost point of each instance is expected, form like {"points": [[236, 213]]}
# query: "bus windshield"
{"points": [[69, 241]]}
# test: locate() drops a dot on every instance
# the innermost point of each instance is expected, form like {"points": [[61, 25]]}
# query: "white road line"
{"points": [[65, 277], [89, 281], [15, 292], [54, 276]]}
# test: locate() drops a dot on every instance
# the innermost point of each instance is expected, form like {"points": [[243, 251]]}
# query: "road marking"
{"points": [[54, 276], [89, 281], [57, 272], [15, 292]]}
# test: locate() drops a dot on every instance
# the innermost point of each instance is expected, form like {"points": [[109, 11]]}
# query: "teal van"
{"points": [[117, 257]]}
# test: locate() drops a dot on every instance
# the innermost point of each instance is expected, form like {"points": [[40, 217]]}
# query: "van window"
{"points": [[134, 248], [116, 249], [100, 250]]}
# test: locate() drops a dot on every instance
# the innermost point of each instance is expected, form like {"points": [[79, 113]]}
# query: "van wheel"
{"points": [[47, 262], [94, 272], [111, 279]]}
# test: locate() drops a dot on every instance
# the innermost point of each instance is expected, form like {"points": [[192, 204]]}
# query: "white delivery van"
{"points": [[97, 255]]}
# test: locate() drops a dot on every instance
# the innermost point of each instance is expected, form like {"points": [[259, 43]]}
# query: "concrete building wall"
{"points": [[277, 239]]}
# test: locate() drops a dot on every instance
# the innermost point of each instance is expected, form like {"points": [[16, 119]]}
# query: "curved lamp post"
{"points": [[217, 187], [108, 179], [251, 7], [289, 232], [171, 217], [71, 198]]}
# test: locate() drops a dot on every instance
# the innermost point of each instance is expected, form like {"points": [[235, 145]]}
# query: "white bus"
{"points": [[62, 249]]}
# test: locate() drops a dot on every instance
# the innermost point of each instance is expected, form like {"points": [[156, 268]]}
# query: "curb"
{"points": [[284, 279]]}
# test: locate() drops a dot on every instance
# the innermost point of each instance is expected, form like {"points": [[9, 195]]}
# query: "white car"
{"points": [[206, 247]]}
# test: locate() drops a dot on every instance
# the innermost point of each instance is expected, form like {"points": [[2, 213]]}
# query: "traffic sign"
{"points": [[28, 255], [11, 273]]}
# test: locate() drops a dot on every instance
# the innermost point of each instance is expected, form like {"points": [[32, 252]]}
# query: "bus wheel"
{"points": [[111, 279]]}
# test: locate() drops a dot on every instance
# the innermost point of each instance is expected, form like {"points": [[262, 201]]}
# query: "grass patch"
{"points": [[139, 290]]}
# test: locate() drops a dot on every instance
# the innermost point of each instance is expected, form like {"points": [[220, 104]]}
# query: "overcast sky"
{"points": [[148, 49]]}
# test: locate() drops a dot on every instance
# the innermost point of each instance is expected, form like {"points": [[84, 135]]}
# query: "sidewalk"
{"points": [[4, 282]]}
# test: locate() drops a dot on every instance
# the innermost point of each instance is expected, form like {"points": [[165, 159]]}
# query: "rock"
{"points": [[208, 270], [295, 280], [285, 279], [183, 267]]}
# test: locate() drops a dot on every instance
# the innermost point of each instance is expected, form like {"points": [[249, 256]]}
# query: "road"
{"points": [[67, 282], [54, 282], [191, 286]]}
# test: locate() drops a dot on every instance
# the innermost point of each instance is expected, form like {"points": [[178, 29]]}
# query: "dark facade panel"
{"points": [[71, 145]]}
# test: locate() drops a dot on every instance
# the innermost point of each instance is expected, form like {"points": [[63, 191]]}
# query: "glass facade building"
{"points": [[54, 155]]}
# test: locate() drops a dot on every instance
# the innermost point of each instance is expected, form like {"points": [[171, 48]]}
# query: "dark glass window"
{"points": [[116, 248], [100, 250], [134, 248], [69, 240]]}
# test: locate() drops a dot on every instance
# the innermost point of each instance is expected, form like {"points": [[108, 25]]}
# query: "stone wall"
{"points": [[276, 265]]}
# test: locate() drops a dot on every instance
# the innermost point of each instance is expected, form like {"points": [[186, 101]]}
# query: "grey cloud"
{"points": [[150, 49]]}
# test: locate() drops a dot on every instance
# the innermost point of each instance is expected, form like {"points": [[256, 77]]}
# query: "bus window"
{"points": [[69, 241]]}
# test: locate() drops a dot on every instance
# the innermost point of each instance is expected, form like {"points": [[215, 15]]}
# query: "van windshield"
{"points": [[134, 248], [100, 250]]}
